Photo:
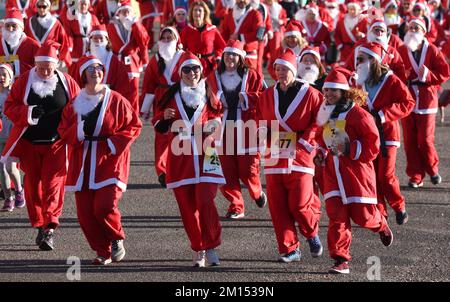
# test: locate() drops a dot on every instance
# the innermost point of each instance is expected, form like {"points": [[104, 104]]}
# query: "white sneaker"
{"points": [[117, 250], [212, 257], [199, 258]]}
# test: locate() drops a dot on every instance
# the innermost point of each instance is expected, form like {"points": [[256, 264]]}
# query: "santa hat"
{"points": [[421, 4], [378, 22], [373, 49], [45, 1], [14, 16], [386, 3], [336, 79], [311, 50], [172, 29], [235, 46], [292, 30], [419, 22], [289, 60], [123, 5], [48, 52], [188, 58], [99, 29], [313, 8], [354, 3], [86, 61], [179, 8], [8, 69], [333, 3]]}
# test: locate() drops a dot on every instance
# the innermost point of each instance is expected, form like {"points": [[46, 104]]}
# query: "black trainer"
{"points": [[262, 200], [162, 180], [47, 242], [401, 217], [436, 179], [39, 236]]}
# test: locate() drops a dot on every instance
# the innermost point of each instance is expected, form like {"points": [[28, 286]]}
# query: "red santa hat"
{"points": [[45, 1], [172, 29], [179, 8], [48, 52], [14, 16], [99, 29], [312, 7], [378, 22], [332, 3], [386, 3], [292, 30], [8, 69], [336, 79], [188, 58], [123, 5], [235, 46], [420, 4], [289, 60], [418, 21], [373, 49], [311, 50], [86, 61], [354, 3]]}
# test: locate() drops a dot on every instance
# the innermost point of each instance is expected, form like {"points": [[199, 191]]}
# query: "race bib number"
{"points": [[211, 162], [9, 59], [334, 133], [283, 144]]}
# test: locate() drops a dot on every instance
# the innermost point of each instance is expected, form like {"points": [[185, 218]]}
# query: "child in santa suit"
{"points": [[348, 144], [189, 113], [238, 88], [99, 126], [290, 107]]}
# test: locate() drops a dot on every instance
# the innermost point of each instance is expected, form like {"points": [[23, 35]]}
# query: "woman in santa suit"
{"points": [[99, 127], [290, 107], [157, 80], [201, 38], [348, 143], [238, 88], [193, 166], [388, 100]]}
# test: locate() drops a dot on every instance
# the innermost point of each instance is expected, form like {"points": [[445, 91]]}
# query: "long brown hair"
{"points": [[206, 19], [377, 70], [356, 95]]}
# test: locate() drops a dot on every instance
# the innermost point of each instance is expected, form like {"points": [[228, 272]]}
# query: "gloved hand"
{"points": [[37, 112]]}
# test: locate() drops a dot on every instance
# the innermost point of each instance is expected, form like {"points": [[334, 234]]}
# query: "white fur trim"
{"points": [[80, 131], [45, 59], [123, 8], [293, 33], [287, 64], [358, 150], [245, 105], [111, 146], [98, 32], [379, 24], [336, 86], [14, 20], [90, 62], [382, 117], [307, 145], [423, 79], [314, 53], [370, 53], [31, 121], [235, 50], [147, 103]]}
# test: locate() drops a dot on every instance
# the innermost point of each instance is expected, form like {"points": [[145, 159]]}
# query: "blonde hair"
{"points": [[356, 95], [302, 43], [206, 19]]}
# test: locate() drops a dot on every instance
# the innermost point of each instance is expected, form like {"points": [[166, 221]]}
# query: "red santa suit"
{"points": [[151, 11], [27, 11], [320, 37], [171, 5], [193, 172], [105, 10], [223, 8], [289, 167], [249, 29], [345, 35], [240, 161], [99, 164], [43, 164], [419, 126], [207, 44], [268, 31], [278, 19]]}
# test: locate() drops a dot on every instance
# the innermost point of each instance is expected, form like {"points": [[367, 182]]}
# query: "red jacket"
{"points": [[79, 40], [345, 38], [25, 51], [27, 11]]}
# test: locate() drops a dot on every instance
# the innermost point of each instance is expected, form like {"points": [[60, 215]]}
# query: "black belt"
{"points": [[200, 56], [45, 141], [92, 138]]}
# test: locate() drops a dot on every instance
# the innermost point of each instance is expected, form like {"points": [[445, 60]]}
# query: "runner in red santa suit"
{"points": [[348, 143], [35, 105], [223, 8], [16, 48], [27, 7], [129, 41], [193, 166], [427, 70], [245, 24], [332, 7], [157, 80], [420, 10], [267, 31], [151, 11], [201, 38], [290, 107], [391, 15], [105, 10], [388, 100], [99, 127], [278, 19], [238, 88], [170, 7], [43, 27]]}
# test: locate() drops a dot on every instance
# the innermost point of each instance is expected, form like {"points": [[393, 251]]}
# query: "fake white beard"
{"points": [[413, 40], [191, 96], [230, 80], [324, 113], [99, 51], [362, 71], [85, 103], [390, 19], [350, 22], [42, 87], [297, 50], [275, 10], [229, 3], [238, 13], [84, 20], [126, 21], [308, 72], [12, 38], [334, 13], [300, 15], [255, 3], [383, 40], [45, 21], [167, 49]]}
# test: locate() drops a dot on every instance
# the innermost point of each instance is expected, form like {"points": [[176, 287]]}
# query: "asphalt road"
{"points": [[158, 249]]}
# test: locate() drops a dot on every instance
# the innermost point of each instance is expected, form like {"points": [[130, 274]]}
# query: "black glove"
{"points": [[37, 112]]}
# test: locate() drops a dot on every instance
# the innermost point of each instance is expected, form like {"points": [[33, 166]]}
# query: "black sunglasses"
{"points": [[91, 69], [187, 69], [42, 6]]}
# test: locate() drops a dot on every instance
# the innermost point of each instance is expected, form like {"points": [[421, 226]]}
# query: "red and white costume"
{"points": [[151, 11], [170, 6], [392, 22], [268, 30], [317, 33], [105, 10], [223, 8], [278, 19], [27, 11]]}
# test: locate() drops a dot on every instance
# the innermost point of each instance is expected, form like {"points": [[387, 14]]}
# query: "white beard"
{"points": [[99, 51], [45, 21], [413, 40], [297, 50], [42, 87], [12, 38], [275, 10], [167, 49], [324, 113], [230, 80], [191, 96], [309, 73], [238, 13], [127, 22], [391, 19], [334, 13], [300, 15], [362, 71], [383, 40], [254, 4], [84, 20], [84, 103], [229, 3], [350, 22]]}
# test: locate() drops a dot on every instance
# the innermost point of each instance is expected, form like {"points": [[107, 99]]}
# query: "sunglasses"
{"points": [[360, 60], [92, 69], [42, 6], [187, 69]]}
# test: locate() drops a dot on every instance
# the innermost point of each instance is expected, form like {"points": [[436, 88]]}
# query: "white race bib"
{"points": [[211, 162], [283, 145]]}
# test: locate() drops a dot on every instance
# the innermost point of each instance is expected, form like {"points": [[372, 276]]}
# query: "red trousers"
{"points": [[388, 186], [270, 51], [421, 155], [98, 214], [161, 143], [340, 229], [135, 97], [259, 63], [199, 214], [291, 199], [45, 175], [244, 168], [252, 62]]}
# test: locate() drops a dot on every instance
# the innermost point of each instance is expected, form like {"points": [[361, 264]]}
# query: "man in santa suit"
{"points": [[290, 107], [315, 31], [171, 5], [17, 49], [78, 29], [105, 10], [405, 9], [223, 8], [332, 8], [268, 30], [278, 19], [43, 27], [99, 127], [129, 41], [378, 33], [245, 24], [391, 15], [151, 11], [157, 80], [426, 69], [27, 7], [35, 105], [420, 10], [349, 30]]}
